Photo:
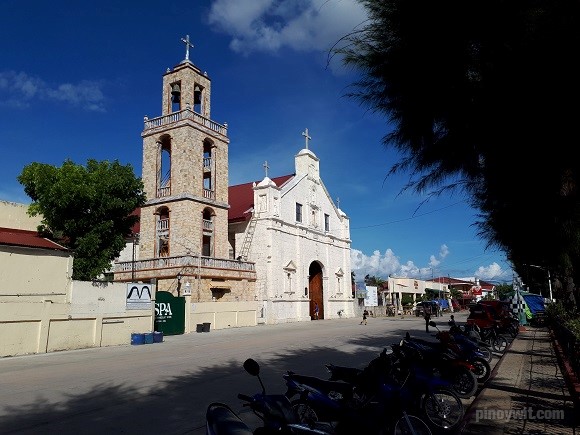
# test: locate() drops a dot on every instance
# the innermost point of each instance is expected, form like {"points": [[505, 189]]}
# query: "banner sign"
{"points": [[169, 314], [138, 296], [371, 299]]}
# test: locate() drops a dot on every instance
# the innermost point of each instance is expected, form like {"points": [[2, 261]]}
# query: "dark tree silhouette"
{"points": [[481, 99]]}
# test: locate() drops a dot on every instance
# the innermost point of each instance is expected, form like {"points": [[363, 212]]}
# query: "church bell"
{"points": [[197, 95], [175, 92]]}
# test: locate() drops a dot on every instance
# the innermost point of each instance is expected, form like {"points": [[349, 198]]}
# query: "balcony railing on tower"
{"points": [[187, 113], [196, 265]]}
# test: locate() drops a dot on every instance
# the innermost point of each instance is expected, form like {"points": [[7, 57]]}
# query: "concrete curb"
{"points": [[470, 411], [569, 376]]}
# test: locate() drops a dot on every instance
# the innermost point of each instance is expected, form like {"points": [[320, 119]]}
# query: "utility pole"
{"points": [[549, 278]]}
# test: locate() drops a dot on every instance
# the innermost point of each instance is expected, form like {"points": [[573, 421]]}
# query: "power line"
{"points": [[409, 218]]}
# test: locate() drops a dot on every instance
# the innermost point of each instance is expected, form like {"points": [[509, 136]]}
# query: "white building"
{"points": [[299, 240]]}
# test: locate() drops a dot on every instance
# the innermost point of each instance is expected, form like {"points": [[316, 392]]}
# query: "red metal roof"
{"points": [[487, 286], [29, 239], [241, 198]]}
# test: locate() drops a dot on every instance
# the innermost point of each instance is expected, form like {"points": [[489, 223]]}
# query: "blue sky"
{"points": [[77, 78]]}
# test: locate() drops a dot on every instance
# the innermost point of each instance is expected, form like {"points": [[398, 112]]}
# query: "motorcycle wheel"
{"points": [[499, 343], [411, 425], [482, 369], [464, 382], [443, 409]]}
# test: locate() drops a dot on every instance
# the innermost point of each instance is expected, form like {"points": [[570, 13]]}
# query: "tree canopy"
{"points": [[480, 97], [85, 208]]}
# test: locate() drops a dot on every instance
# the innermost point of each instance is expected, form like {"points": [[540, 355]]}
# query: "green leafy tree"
{"points": [[456, 293], [374, 281], [464, 83], [85, 208], [502, 290], [407, 299]]}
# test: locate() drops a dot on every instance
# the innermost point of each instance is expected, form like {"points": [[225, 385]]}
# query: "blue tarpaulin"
{"points": [[534, 302], [443, 303]]}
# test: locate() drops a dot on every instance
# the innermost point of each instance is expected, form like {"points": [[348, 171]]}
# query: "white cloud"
{"points": [[491, 272], [376, 265], [382, 265], [436, 261], [268, 25], [20, 90]]}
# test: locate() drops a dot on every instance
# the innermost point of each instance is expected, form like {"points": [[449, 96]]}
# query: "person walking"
{"points": [[316, 311], [427, 315], [365, 315]]}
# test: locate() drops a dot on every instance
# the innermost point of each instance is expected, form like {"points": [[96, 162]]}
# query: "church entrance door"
{"points": [[315, 289]]}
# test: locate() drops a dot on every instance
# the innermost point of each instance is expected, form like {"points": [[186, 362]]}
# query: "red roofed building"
{"points": [[31, 266]]}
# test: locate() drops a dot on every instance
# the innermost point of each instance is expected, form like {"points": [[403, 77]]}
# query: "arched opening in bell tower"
{"points": [[208, 173], [207, 243], [198, 99], [164, 167], [175, 96], [162, 232]]}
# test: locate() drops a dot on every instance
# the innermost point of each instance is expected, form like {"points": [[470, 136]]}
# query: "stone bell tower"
{"points": [[185, 170]]}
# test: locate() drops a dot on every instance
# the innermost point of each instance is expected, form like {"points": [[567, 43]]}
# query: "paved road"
{"points": [[166, 387]]}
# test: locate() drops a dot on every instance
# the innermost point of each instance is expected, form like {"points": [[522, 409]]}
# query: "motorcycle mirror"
{"points": [[432, 323], [252, 367]]}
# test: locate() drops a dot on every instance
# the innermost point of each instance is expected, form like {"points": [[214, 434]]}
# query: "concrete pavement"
{"points": [[527, 393]]}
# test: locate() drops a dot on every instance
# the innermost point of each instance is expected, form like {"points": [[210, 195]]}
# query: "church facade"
{"points": [[299, 241]]}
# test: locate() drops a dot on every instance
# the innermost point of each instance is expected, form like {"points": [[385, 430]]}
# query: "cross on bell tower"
{"points": [[305, 134], [266, 167], [187, 45]]}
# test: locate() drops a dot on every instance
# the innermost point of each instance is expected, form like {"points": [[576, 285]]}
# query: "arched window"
{"points": [[164, 167], [208, 170], [162, 232], [207, 248]]}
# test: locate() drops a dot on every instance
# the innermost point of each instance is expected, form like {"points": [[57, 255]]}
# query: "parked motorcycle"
{"points": [[433, 396], [274, 410], [378, 392], [468, 351], [492, 336], [462, 337], [443, 361]]}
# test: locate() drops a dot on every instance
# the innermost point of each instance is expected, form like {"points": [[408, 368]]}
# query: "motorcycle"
{"points": [[274, 410], [468, 351], [443, 361], [433, 396], [366, 397], [462, 337]]}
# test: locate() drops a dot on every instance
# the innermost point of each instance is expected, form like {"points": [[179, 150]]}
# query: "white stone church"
{"points": [[298, 239]]}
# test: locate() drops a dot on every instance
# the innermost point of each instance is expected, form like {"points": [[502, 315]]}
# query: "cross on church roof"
{"points": [[337, 202], [266, 167], [187, 45], [305, 134]]}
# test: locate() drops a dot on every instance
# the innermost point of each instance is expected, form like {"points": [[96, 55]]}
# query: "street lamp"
{"points": [[135, 243], [549, 279]]}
